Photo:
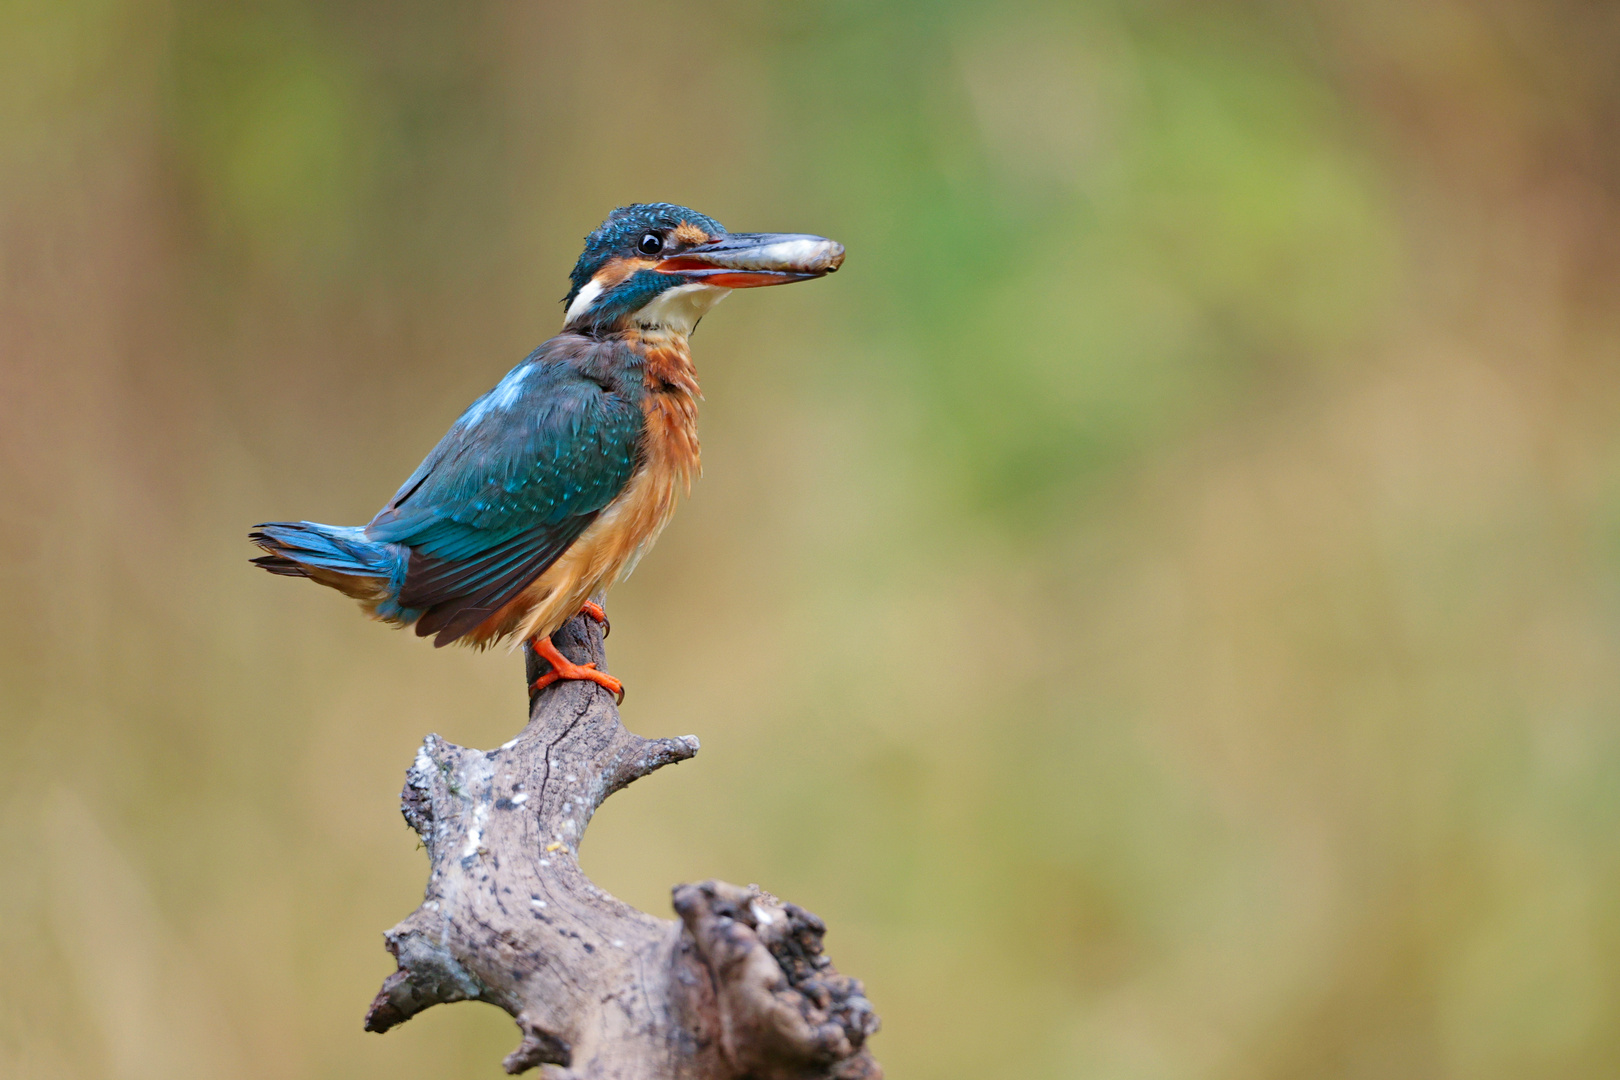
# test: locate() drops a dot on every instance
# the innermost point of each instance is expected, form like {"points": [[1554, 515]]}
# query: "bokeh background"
{"points": [[1160, 603]]}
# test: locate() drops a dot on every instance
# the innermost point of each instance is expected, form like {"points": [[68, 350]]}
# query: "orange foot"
{"points": [[593, 610], [564, 668]]}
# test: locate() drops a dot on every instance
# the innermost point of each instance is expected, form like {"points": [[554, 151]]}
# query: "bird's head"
{"points": [[662, 267]]}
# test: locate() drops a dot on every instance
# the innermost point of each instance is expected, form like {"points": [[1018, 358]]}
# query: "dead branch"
{"points": [[738, 988]]}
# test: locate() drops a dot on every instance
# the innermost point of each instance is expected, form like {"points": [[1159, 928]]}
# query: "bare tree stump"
{"points": [[738, 988]]}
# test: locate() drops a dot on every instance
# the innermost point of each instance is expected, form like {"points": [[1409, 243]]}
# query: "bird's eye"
{"points": [[651, 244]]}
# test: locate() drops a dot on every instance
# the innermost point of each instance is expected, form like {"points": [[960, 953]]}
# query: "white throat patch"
{"points": [[677, 309], [680, 308]]}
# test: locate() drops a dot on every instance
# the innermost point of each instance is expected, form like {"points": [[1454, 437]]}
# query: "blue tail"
{"points": [[339, 556]]}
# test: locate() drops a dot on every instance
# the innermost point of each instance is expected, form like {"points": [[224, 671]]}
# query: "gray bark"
{"points": [[737, 988]]}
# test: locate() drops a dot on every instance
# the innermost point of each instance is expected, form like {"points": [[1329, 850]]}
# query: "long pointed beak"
{"points": [[748, 260]]}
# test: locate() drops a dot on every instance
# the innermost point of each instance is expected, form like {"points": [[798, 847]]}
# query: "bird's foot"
{"points": [[564, 668], [592, 610]]}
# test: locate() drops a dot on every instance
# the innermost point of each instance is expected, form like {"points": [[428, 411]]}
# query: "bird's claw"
{"points": [[564, 668], [592, 610]]}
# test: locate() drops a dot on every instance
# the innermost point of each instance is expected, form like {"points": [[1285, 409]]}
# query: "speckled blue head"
{"points": [[661, 266], [622, 233]]}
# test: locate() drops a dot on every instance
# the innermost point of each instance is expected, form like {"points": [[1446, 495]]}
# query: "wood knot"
{"points": [[784, 1010], [539, 1047]]}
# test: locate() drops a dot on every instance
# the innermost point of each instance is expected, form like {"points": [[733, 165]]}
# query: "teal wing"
{"points": [[513, 483]]}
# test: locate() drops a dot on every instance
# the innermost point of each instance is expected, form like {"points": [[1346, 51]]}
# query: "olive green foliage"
{"points": [[1158, 602]]}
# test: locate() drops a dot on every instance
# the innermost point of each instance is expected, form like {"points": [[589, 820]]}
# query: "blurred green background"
{"points": [[1160, 603]]}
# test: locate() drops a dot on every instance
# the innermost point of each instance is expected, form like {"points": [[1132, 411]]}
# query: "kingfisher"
{"points": [[551, 486]]}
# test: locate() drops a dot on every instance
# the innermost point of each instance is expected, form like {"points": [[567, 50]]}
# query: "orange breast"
{"points": [[610, 547]]}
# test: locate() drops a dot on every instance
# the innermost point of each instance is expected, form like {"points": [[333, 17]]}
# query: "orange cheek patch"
{"points": [[616, 270]]}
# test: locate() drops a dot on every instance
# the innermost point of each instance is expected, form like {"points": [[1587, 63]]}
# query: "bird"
{"points": [[551, 487]]}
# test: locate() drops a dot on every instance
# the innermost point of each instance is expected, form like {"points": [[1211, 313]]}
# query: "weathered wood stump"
{"points": [[738, 988]]}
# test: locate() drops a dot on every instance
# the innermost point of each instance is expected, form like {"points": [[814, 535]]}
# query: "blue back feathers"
{"points": [[512, 484]]}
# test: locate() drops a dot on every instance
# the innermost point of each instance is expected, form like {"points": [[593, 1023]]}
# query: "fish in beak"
{"points": [[749, 260]]}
